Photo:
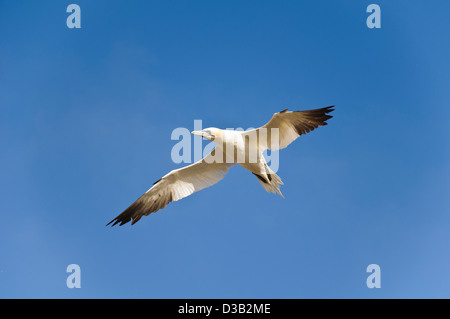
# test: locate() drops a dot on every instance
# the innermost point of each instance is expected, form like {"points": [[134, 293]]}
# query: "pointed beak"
{"points": [[199, 133]]}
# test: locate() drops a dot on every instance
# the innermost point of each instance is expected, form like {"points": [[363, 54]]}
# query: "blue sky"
{"points": [[85, 126]]}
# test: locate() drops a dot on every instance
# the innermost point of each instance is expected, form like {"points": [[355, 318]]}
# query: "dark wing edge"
{"points": [[312, 119], [143, 206], [292, 124], [199, 175]]}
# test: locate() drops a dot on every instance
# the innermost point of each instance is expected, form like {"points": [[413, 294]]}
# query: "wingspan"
{"points": [[174, 186], [291, 125]]}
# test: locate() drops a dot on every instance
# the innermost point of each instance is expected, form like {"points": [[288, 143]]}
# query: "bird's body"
{"points": [[233, 147]]}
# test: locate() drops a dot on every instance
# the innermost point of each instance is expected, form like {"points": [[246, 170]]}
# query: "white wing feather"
{"points": [[174, 186], [284, 127]]}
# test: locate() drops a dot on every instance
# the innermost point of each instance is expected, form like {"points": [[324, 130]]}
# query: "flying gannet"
{"points": [[233, 147]]}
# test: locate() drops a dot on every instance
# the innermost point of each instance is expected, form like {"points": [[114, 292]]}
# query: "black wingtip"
{"points": [[329, 109], [132, 213], [115, 220], [121, 222]]}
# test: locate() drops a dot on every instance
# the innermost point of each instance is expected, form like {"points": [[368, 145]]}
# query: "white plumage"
{"points": [[233, 147]]}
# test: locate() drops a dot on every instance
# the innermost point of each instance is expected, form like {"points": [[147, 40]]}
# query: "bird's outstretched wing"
{"points": [[291, 125], [174, 186]]}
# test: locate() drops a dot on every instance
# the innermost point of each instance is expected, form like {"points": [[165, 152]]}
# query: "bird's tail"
{"points": [[272, 184]]}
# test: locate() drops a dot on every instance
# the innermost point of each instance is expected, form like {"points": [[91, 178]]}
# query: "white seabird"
{"points": [[233, 147]]}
